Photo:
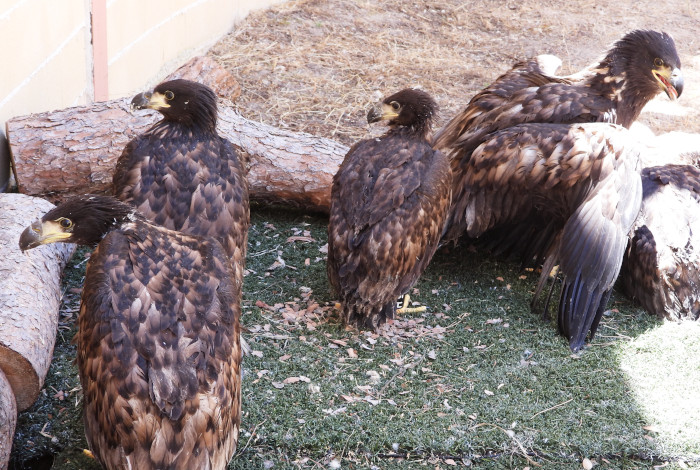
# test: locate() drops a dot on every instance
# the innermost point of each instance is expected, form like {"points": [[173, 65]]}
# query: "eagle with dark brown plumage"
{"points": [[565, 194], [158, 348], [513, 119], [182, 174], [614, 90], [389, 201], [661, 268]]}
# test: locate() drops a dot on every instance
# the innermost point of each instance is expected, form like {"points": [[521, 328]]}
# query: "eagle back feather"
{"points": [[159, 350], [188, 179], [388, 207]]}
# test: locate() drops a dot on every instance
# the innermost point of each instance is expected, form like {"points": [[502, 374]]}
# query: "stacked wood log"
{"points": [[30, 297], [8, 420], [73, 151]]}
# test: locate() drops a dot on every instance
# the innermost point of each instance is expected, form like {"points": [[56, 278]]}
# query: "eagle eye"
{"points": [[65, 223], [395, 105], [658, 62], [169, 95]]}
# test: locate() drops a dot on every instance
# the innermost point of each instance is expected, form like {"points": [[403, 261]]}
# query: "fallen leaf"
{"points": [[257, 353], [307, 262], [431, 354], [371, 401], [284, 358], [279, 263], [488, 392], [277, 385], [339, 342], [587, 464], [373, 376], [352, 353], [499, 278], [450, 462], [324, 248], [300, 239]]}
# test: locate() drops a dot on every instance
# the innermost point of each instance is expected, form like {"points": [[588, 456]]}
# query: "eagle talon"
{"points": [[405, 302]]}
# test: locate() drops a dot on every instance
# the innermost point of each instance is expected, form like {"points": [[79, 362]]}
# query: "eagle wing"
{"points": [[526, 74], [582, 181], [158, 350]]}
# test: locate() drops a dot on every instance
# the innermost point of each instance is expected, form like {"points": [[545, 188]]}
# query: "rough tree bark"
{"points": [[73, 151], [30, 297], [8, 420]]}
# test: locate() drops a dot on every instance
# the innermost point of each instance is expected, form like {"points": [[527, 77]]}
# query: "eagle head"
{"points": [[84, 220], [409, 107], [182, 101], [652, 55]]}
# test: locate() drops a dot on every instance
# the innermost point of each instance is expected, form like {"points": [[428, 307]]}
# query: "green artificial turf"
{"points": [[477, 380]]}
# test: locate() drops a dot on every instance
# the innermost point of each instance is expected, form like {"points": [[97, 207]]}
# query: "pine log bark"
{"points": [[73, 151], [30, 295], [8, 420]]}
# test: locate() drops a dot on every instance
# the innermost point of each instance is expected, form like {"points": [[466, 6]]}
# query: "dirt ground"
{"points": [[316, 65]]}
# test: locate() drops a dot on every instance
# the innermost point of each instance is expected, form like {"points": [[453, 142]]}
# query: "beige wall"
{"points": [[48, 54], [152, 38]]}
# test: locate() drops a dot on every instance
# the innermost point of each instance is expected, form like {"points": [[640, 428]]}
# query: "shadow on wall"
{"points": [[4, 163]]}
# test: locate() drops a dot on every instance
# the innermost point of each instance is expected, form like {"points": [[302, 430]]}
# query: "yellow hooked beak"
{"points": [[382, 112], [42, 233]]}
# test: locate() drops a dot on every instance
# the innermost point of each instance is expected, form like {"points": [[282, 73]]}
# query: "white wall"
{"points": [[48, 58]]}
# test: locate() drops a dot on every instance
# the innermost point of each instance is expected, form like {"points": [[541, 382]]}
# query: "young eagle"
{"points": [[388, 205], [578, 188], [614, 90], [182, 174], [158, 338], [661, 268]]}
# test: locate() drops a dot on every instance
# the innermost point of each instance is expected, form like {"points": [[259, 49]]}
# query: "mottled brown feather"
{"points": [[158, 342], [184, 176], [660, 268], [613, 89], [580, 186], [388, 206]]}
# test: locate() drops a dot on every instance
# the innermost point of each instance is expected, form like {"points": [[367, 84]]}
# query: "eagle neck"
{"points": [[417, 131], [627, 96], [172, 128]]}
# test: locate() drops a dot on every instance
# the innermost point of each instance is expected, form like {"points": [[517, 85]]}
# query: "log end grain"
{"points": [[8, 420]]}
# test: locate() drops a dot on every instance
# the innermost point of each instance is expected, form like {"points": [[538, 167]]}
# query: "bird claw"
{"points": [[405, 302]]}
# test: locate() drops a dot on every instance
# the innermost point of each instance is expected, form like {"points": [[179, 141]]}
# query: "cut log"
{"points": [[8, 420], [73, 151], [30, 295]]}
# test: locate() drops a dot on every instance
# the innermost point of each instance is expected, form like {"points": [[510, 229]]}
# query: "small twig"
{"points": [[401, 372], [549, 409], [252, 433], [522, 449]]}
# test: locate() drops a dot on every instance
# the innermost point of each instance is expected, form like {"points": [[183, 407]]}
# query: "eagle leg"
{"points": [[405, 302]]}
